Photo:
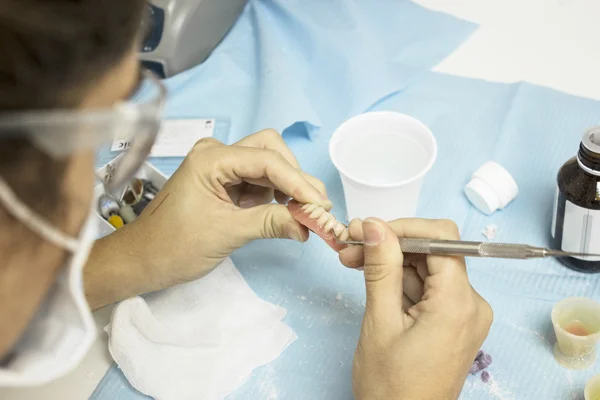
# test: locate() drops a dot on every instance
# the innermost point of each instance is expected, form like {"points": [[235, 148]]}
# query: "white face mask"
{"points": [[63, 329]]}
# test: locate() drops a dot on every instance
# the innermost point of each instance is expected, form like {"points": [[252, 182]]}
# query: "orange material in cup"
{"points": [[577, 328]]}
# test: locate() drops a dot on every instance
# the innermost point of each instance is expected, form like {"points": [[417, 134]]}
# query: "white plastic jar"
{"points": [[491, 188]]}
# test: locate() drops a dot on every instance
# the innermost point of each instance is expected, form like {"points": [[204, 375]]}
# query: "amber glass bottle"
{"points": [[576, 221]]}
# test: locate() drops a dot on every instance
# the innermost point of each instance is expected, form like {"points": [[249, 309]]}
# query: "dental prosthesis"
{"points": [[321, 222]]}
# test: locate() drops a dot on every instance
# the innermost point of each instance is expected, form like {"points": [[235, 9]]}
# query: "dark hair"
{"points": [[50, 52], [50, 47]]}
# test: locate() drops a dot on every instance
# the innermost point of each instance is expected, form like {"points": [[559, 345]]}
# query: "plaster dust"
{"points": [[497, 392], [267, 386], [492, 389], [538, 335], [573, 394]]}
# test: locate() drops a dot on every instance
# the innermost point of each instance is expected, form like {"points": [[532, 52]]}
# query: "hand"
{"points": [[219, 199], [423, 322]]}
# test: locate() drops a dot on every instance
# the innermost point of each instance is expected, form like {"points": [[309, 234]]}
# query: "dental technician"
{"points": [[67, 70]]}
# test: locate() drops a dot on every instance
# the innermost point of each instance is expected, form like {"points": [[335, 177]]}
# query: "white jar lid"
{"points": [[491, 188]]}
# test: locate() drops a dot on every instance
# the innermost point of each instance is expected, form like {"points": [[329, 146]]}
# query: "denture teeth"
{"points": [[330, 224], [326, 221], [316, 213], [323, 219], [345, 235], [338, 229], [309, 208]]}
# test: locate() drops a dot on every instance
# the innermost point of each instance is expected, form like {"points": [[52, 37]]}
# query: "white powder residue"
{"points": [[498, 392], [490, 231], [267, 384], [339, 296], [528, 331], [474, 387], [572, 392], [273, 394]]}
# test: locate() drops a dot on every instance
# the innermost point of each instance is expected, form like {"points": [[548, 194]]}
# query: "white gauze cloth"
{"points": [[200, 340]]}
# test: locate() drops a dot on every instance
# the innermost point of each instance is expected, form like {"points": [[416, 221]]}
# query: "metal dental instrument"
{"points": [[107, 205], [476, 249]]}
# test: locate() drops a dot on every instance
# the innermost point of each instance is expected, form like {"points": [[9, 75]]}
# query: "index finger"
{"points": [[271, 139], [257, 165]]}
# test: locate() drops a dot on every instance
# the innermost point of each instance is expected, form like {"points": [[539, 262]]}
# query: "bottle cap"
{"points": [[591, 139], [491, 188]]}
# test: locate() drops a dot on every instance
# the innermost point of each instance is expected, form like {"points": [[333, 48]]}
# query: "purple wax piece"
{"points": [[482, 361], [485, 376], [475, 368], [482, 365], [479, 354], [485, 359]]}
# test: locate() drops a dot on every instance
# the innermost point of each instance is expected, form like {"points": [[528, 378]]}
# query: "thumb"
{"points": [[271, 221], [383, 269]]}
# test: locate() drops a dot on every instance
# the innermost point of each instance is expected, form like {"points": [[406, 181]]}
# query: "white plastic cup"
{"points": [[382, 158]]}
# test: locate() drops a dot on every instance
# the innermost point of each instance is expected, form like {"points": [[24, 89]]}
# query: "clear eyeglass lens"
{"points": [[151, 95]]}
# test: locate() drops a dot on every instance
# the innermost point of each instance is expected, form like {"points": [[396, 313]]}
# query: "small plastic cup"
{"points": [[576, 322], [382, 158], [592, 388]]}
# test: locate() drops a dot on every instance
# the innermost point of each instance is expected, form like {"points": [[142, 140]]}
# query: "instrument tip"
{"points": [[560, 253]]}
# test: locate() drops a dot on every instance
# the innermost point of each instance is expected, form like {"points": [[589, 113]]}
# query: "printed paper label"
{"points": [[176, 137], [581, 231]]}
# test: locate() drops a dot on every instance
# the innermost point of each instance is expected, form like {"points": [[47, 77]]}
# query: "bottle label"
{"points": [[580, 230], [555, 212]]}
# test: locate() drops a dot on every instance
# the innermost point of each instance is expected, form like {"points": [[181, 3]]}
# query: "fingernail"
{"points": [[360, 268], [373, 232], [247, 203], [328, 204], [293, 232], [350, 259]]}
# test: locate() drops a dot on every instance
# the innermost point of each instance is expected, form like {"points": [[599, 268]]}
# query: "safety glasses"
{"points": [[60, 133]]}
